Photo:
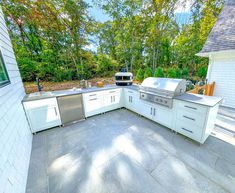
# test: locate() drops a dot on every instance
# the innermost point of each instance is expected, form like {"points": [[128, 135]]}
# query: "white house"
{"points": [[220, 48], [15, 134]]}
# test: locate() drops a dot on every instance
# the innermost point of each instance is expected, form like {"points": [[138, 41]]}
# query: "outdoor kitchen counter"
{"points": [[52, 94], [199, 99]]}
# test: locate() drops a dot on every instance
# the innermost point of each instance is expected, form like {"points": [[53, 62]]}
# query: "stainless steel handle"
{"points": [[93, 99], [131, 99], [189, 118], [186, 130], [55, 111], [112, 91], [151, 112], [92, 94], [130, 91], [190, 107], [154, 111], [113, 98]]}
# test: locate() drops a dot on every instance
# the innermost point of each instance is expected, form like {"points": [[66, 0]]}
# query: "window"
{"points": [[4, 78]]}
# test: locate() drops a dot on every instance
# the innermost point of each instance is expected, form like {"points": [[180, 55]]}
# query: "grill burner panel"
{"points": [[162, 90], [165, 101]]}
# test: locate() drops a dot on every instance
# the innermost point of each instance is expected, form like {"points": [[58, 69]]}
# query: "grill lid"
{"points": [[164, 86]]}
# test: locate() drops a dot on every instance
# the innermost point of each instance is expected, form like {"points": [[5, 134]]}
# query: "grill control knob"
{"points": [[165, 102], [161, 100]]}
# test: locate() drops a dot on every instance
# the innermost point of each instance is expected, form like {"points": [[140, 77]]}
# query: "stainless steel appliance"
{"points": [[162, 90], [71, 108]]}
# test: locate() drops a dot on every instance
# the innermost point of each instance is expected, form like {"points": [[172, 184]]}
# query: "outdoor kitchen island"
{"points": [[191, 115]]}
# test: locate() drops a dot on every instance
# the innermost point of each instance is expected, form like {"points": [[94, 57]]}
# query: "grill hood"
{"points": [[164, 86]]}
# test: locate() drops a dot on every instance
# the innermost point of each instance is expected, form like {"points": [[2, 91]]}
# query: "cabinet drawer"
{"points": [[191, 117], [112, 92], [40, 103], [92, 96], [191, 131], [191, 107]]}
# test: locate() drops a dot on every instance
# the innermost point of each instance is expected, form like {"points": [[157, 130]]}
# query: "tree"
{"points": [[140, 75], [159, 72], [148, 73], [171, 73]]}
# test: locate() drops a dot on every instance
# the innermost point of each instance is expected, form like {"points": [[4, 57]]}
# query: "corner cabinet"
{"points": [[194, 120], [132, 100], [42, 114]]}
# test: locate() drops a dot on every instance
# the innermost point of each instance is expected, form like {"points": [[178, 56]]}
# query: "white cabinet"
{"points": [[132, 100], [112, 99], [102, 101], [42, 114], [157, 113], [164, 115], [93, 103], [194, 120]]}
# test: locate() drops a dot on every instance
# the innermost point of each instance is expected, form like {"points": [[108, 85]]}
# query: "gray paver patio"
{"points": [[121, 152]]}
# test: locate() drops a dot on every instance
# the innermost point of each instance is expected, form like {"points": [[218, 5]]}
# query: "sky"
{"points": [[182, 15]]}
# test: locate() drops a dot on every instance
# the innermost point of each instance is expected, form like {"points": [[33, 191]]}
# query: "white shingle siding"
{"points": [[15, 135], [222, 71]]}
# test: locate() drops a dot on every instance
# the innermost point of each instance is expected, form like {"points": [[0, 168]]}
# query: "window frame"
{"points": [[7, 82]]}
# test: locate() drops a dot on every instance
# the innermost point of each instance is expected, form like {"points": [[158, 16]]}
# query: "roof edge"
{"points": [[209, 54]]}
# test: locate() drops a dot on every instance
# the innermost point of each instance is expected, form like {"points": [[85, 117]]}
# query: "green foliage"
{"points": [[29, 68], [106, 66], [202, 72], [53, 39], [148, 73], [177, 73], [159, 72], [171, 73], [140, 75], [185, 73]]}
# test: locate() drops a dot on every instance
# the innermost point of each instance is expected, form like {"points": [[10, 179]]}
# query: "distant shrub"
{"points": [[177, 73], [159, 72], [148, 73], [171, 73], [202, 72], [62, 74], [185, 73], [140, 75]]}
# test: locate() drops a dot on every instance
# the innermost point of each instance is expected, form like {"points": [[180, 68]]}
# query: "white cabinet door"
{"points": [[93, 103], [112, 99], [132, 100], [42, 114], [164, 116], [146, 109]]}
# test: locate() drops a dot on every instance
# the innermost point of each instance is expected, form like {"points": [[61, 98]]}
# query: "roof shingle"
{"points": [[222, 36]]}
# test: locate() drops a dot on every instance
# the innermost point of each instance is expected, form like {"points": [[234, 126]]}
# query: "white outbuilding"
{"points": [[220, 48]]}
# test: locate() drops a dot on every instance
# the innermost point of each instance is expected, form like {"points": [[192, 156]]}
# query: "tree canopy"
{"points": [[51, 38]]}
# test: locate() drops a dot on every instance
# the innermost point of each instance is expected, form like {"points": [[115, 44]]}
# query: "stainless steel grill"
{"points": [[162, 90]]}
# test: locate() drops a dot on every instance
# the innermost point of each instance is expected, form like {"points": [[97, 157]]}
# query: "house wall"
{"points": [[222, 71], [15, 135]]}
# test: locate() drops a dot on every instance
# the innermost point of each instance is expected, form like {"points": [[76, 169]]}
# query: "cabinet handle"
{"points": [[113, 98], [93, 99], [112, 91], [190, 107], [186, 130], [55, 111], [189, 118], [130, 91], [151, 112], [92, 94], [154, 111], [131, 99]]}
